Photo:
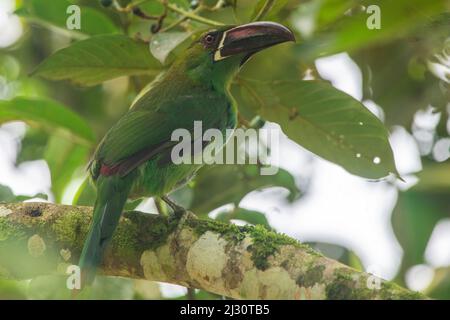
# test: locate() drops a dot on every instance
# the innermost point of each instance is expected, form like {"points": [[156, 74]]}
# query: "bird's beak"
{"points": [[250, 38]]}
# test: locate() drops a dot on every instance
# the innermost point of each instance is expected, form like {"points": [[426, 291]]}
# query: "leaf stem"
{"points": [[193, 16], [264, 10], [181, 20]]}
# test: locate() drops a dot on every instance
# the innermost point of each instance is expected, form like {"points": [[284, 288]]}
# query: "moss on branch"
{"points": [[240, 262]]}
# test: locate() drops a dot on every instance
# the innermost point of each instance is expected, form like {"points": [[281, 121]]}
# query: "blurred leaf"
{"points": [[325, 121], [64, 158], [45, 112], [10, 289], [332, 10], [162, 44], [250, 216], [413, 221], [97, 59], [32, 145], [86, 194], [37, 195], [272, 10], [9, 67], [51, 287], [112, 288], [54, 13], [223, 184], [398, 18], [440, 286], [132, 204], [144, 289], [202, 295], [435, 177], [410, 88], [6, 195]]}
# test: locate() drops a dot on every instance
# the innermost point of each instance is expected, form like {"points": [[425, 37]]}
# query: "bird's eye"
{"points": [[209, 39]]}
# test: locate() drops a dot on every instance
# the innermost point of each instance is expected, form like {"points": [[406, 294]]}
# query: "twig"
{"points": [[193, 16]]}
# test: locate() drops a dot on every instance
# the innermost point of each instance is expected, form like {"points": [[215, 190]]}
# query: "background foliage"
{"points": [[70, 86]]}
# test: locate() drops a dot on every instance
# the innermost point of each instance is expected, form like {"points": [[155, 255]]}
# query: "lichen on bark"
{"points": [[235, 261]]}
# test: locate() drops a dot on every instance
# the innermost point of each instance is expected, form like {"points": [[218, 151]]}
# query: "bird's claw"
{"points": [[179, 213]]}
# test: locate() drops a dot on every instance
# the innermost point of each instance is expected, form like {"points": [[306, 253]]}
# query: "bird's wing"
{"points": [[141, 134]]}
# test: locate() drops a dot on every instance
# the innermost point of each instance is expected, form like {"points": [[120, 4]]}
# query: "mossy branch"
{"points": [[238, 262]]}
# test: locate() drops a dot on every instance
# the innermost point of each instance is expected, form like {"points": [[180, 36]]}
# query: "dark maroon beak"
{"points": [[251, 38]]}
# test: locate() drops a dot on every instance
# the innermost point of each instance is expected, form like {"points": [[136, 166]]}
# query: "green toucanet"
{"points": [[134, 157]]}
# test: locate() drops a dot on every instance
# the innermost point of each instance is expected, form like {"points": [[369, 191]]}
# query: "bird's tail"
{"points": [[112, 193]]}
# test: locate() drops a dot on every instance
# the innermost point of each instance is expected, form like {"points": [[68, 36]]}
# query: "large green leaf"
{"points": [[54, 14], [97, 59], [223, 184], [325, 121], [163, 43], [45, 112]]}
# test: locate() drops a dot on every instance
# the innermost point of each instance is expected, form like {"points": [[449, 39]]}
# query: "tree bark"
{"points": [[237, 262]]}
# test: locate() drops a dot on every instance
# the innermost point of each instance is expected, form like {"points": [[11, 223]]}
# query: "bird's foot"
{"points": [[179, 213]]}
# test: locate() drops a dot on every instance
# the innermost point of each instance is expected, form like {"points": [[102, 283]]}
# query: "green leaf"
{"points": [[37, 195], [64, 158], [413, 220], [51, 287], [54, 14], [272, 10], [9, 67], [6, 195], [440, 286], [352, 33], [32, 145], [410, 87], [435, 178], [223, 184], [45, 112], [97, 59], [12, 290], [327, 122], [163, 43], [86, 194]]}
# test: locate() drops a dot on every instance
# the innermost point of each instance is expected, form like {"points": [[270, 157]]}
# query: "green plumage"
{"points": [[193, 89], [134, 157]]}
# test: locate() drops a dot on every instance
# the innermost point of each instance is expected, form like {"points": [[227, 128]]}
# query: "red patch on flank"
{"points": [[108, 171]]}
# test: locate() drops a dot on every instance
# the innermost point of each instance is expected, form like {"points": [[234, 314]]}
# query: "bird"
{"points": [[134, 158]]}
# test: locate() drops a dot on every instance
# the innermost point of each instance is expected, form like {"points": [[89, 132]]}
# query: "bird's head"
{"points": [[217, 54]]}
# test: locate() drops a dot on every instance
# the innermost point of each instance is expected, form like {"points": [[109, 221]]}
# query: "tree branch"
{"points": [[238, 262]]}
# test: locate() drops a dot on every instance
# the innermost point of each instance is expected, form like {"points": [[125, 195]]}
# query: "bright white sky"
{"points": [[339, 207]]}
